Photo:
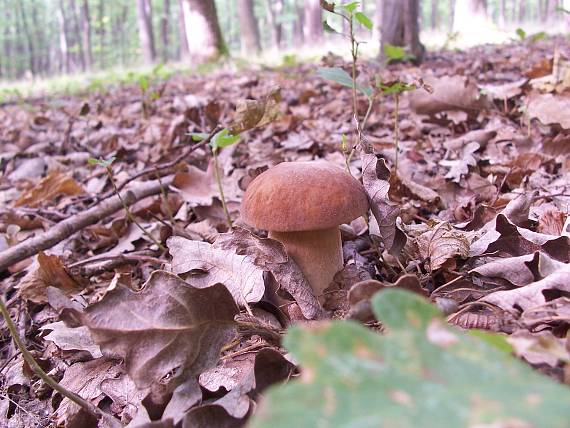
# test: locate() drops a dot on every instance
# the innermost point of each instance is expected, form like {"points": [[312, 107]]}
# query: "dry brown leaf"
{"points": [[49, 272], [209, 265], [376, 181], [67, 338], [85, 380], [166, 333], [449, 93], [550, 109], [442, 243], [255, 114], [55, 184]]}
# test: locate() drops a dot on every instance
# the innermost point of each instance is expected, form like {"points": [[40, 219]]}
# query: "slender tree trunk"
{"points": [[298, 24], [203, 32], [376, 35], [400, 26], [165, 30], [313, 21], [102, 35], [146, 37], [86, 35], [522, 11], [248, 27], [9, 67], [434, 14], [184, 10], [76, 35], [29, 40], [274, 9], [63, 44], [503, 13]]}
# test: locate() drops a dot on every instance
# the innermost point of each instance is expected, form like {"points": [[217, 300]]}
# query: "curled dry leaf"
{"points": [[512, 239], [449, 93], [254, 114], [208, 265], [539, 348], [49, 272], [199, 188], [271, 256], [521, 270], [376, 181], [68, 339], [550, 109], [85, 380], [55, 184], [442, 243], [167, 332], [532, 295], [460, 166]]}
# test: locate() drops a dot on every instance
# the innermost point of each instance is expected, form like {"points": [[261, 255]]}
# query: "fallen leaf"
{"points": [[67, 338], [167, 332], [207, 265], [271, 256], [53, 185], [550, 109]]}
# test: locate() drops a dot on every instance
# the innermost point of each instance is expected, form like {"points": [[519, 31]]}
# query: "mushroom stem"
{"points": [[317, 252]]}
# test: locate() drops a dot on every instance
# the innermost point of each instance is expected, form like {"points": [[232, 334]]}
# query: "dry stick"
{"points": [[168, 165], [28, 357], [68, 227]]}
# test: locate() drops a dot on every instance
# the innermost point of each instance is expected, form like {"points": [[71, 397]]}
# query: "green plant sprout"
{"points": [[107, 163], [220, 140], [396, 53], [348, 13], [396, 88], [533, 38]]}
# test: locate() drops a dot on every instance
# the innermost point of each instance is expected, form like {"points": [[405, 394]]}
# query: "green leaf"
{"points": [[144, 83], [395, 53], [364, 20], [198, 136], [521, 33], [421, 373], [338, 75], [350, 7], [223, 139], [101, 162], [328, 28]]}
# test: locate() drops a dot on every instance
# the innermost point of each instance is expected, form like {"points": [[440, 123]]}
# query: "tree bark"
{"points": [[146, 36], [522, 10], [434, 14], [313, 21], [400, 27], [203, 32], [63, 44], [86, 35], [164, 30], [298, 24], [29, 40], [248, 27], [274, 8], [183, 13]]}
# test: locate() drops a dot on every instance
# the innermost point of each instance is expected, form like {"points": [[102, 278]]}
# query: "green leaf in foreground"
{"points": [[364, 20], [422, 373], [338, 75]]}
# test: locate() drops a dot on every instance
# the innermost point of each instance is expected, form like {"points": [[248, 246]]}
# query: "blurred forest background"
{"points": [[53, 37]]}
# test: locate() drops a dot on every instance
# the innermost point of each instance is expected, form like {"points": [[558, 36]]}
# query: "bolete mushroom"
{"points": [[302, 204]]}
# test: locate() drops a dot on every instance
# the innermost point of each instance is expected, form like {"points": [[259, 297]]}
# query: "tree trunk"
{"points": [[164, 30], [203, 32], [376, 35], [298, 25], [522, 11], [86, 35], [434, 14], [29, 40], [9, 66], [63, 44], [184, 53], [146, 36], [274, 9], [248, 27], [400, 27], [313, 21], [503, 13]]}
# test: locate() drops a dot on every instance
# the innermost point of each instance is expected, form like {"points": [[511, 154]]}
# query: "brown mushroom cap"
{"points": [[301, 196]]}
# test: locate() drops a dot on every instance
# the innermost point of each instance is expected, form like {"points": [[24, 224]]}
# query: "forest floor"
{"points": [[481, 193]]}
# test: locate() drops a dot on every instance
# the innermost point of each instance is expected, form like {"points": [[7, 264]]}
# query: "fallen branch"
{"points": [[68, 227]]}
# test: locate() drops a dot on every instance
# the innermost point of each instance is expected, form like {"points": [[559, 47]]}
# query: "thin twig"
{"points": [[28, 357], [221, 188]]}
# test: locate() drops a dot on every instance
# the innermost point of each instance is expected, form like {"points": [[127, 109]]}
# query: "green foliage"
{"points": [[105, 163], [533, 38], [396, 53], [350, 7], [421, 373], [397, 87], [338, 75], [220, 140], [364, 20]]}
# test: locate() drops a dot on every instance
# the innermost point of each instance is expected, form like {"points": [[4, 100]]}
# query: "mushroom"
{"points": [[302, 204]]}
